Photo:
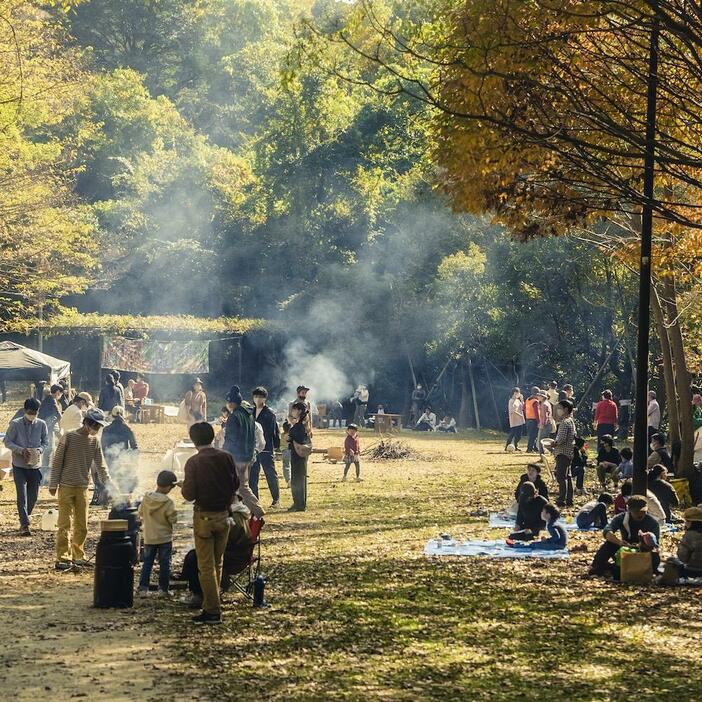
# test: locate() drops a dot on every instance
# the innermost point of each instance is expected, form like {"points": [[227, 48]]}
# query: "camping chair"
{"points": [[547, 445], [243, 579]]}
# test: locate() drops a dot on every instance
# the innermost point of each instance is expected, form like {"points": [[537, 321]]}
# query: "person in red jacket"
{"points": [[352, 451], [606, 417]]}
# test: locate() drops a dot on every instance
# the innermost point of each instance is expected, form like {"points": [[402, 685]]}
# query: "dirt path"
{"points": [[57, 646]]}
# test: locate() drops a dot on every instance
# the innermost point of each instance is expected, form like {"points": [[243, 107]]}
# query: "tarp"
{"points": [[143, 356], [21, 363]]}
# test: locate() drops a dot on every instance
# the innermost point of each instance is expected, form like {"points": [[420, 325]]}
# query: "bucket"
{"points": [[49, 520], [114, 571]]}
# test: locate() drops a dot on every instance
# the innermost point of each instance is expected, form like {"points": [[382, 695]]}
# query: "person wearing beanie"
{"points": [[240, 442], [626, 529], [158, 517]]}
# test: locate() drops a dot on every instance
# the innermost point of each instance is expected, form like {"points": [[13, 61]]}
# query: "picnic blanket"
{"points": [[491, 549], [500, 520]]}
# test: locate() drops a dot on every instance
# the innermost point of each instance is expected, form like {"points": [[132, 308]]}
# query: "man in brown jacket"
{"points": [[211, 482]]}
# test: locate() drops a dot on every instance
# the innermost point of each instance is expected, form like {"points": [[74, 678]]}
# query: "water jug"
{"points": [[49, 520], [114, 568], [259, 588]]}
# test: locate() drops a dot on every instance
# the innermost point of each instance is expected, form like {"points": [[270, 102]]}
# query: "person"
{"points": [[447, 425], [655, 508], [71, 467], [625, 470], [285, 453], [606, 416], [659, 453], [427, 422], [419, 395], [297, 434], [563, 449], [195, 402], [547, 426], [141, 390], [625, 529], [158, 517], [688, 563], [72, 418], [515, 410], [240, 442], [529, 521], [211, 482], [532, 475], [566, 393], [352, 452], [118, 382], [578, 464], [553, 394], [302, 391], [360, 400], [109, 396], [557, 538], [222, 432], [608, 459], [265, 458], [27, 438], [653, 414], [594, 513], [663, 490], [64, 400], [380, 409], [50, 412], [129, 401], [119, 448], [531, 413]]}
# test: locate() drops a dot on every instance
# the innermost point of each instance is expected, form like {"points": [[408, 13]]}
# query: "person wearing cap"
{"points": [[195, 401], [119, 447], [210, 482], [626, 529], [27, 437], [50, 411], [531, 413], [302, 391], [158, 517], [72, 418], [265, 417], [71, 466], [240, 442]]}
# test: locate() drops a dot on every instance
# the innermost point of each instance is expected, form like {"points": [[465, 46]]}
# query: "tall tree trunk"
{"points": [[465, 398], [668, 372], [472, 392]]}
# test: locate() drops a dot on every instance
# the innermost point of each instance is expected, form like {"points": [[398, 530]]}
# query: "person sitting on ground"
{"points": [[594, 513], [659, 453], [447, 425], [622, 497], [688, 563], [72, 418], [655, 509], [532, 475], [557, 538], [663, 490], [529, 520], [427, 422], [158, 517], [578, 464], [608, 459], [352, 452], [625, 529], [625, 471]]}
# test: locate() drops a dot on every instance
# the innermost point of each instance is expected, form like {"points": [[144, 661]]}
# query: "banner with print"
{"points": [[145, 356]]}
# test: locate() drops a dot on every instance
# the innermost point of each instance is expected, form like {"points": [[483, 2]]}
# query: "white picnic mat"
{"points": [[501, 520], [491, 549]]}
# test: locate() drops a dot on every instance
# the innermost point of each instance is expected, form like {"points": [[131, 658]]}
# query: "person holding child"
{"points": [[352, 452], [594, 513], [627, 529], [158, 517], [557, 538]]}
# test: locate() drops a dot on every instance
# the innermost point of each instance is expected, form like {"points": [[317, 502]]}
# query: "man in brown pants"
{"points": [[211, 482]]}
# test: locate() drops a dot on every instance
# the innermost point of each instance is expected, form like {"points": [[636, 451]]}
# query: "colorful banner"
{"points": [[142, 356]]}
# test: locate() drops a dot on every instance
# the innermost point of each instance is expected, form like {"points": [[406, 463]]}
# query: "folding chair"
{"points": [[243, 577]]}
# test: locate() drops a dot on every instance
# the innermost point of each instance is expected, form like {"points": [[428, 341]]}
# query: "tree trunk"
{"points": [[668, 373], [463, 410], [472, 392]]}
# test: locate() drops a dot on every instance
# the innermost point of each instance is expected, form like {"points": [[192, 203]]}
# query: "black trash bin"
{"points": [[114, 567], [126, 511]]}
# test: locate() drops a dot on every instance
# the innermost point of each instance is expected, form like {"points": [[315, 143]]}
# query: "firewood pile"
{"points": [[389, 450]]}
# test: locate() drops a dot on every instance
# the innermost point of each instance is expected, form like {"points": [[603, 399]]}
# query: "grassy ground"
{"points": [[358, 612]]}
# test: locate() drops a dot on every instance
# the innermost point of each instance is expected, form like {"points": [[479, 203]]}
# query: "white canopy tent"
{"points": [[18, 362]]}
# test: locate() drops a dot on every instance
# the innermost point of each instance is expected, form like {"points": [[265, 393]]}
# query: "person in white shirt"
{"points": [[427, 422], [447, 425], [72, 418], [653, 414]]}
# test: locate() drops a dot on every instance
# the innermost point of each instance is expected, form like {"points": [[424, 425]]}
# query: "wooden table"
{"points": [[151, 414], [384, 423]]}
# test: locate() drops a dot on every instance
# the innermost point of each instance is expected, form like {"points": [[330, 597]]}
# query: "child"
{"points": [[578, 464], [625, 471], [529, 518], [622, 498], [594, 513], [532, 475], [285, 452], [158, 515], [352, 451], [557, 537]]}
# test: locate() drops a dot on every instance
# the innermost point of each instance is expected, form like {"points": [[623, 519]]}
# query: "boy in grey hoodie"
{"points": [[158, 515]]}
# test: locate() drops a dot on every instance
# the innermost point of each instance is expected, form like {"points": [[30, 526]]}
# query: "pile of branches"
{"points": [[389, 450]]}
